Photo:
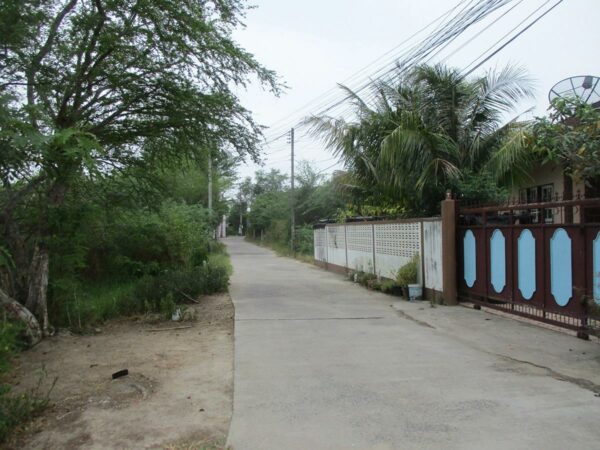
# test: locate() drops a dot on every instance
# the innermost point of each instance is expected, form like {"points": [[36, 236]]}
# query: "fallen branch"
{"points": [[188, 297], [152, 330], [16, 311]]}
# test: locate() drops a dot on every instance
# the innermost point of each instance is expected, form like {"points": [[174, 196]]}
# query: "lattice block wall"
{"points": [[395, 245], [360, 247], [336, 244], [398, 239], [320, 244], [432, 254]]}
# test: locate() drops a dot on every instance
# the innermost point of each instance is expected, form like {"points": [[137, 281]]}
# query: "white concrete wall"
{"points": [[432, 254], [395, 245], [320, 244], [336, 244], [360, 247]]}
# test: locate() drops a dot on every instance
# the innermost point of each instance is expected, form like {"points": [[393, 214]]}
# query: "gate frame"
{"points": [[583, 318]]}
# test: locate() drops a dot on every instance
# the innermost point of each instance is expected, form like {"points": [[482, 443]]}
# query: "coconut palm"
{"points": [[418, 136]]}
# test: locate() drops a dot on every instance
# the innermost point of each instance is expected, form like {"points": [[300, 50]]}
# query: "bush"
{"points": [[304, 242], [408, 273], [209, 278], [128, 263], [279, 232], [388, 286], [365, 277], [89, 304]]}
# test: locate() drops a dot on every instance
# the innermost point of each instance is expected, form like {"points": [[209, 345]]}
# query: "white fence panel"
{"points": [[395, 245], [360, 247], [336, 245], [320, 239], [392, 245], [432, 249]]}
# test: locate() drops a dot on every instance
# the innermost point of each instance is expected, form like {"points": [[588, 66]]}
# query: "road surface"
{"points": [[321, 363]]}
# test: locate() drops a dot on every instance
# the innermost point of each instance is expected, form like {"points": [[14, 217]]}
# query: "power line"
{"points": [[433, 44], [373, 95], [502, 47], [363, 69], [465, 18], [481, 32], [327, 168]]}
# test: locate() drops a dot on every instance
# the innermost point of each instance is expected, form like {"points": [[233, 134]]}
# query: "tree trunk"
{"points": [[18, 312], [38, 286]]}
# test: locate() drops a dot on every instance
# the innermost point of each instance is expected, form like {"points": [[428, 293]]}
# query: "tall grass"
{"points": [[89, 304]]}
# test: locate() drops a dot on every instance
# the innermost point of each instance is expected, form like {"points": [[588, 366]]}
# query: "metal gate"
{"points": [[540, 260]]}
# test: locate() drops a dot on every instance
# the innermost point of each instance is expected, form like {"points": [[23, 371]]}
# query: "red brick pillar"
{"points": [[449, 255]]}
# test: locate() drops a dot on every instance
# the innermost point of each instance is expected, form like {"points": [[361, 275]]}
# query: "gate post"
{"points": [[449, 256]]}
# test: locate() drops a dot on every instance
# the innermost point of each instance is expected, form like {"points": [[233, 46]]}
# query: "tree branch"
{"points": [[37, 59]]}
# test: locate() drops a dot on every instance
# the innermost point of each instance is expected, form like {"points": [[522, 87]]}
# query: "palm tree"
{"points": [[420, 135]]}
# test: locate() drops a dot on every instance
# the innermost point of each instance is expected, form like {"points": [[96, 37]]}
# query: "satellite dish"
{"points": [[584, 87]]}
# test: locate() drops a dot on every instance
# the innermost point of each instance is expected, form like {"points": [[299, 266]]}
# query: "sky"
{"points": [[315, 44]]}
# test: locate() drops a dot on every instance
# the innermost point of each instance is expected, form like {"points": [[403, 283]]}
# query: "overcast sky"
{"points": [[314, 44]]}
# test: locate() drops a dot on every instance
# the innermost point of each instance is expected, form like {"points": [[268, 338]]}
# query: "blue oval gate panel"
{"points": [[561, 270], [470, 258], [526, 261], [498, 260], [596, 274]]}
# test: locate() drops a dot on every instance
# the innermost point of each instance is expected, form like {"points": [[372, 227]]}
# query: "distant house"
{"points": [[549, 183]]}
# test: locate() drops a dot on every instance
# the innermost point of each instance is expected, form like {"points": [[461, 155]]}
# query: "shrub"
{"points": [[388, 286], [88, 304], [209, 278], [365, 277], [304, 241], [408, 273], [133, 260]]}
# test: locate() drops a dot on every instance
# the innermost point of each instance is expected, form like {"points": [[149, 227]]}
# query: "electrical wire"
{"points": [[432, 45], [363, 69], [503, 46], [469, 15]]}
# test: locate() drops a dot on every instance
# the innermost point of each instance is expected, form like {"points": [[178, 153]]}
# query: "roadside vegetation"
{"points": [[263, 206], [111, 114], [411, 139]]}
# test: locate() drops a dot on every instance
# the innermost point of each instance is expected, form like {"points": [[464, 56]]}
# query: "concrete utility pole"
{"points": [[210, 184], [293, 221]]}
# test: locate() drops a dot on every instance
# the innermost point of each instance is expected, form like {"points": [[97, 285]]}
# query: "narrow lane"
{"points": [[323, 364]]}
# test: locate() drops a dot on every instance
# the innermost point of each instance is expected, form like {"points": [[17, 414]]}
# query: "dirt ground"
{"points": [[178, 394]]}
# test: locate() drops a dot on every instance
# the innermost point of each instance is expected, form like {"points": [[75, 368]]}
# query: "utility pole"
{"points": [[210, 183], [293, 221]]}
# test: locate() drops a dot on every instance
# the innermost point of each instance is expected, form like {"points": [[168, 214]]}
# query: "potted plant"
{"points": [[407, 277]]}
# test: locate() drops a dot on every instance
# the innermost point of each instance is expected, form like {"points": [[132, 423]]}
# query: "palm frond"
{"points": [[513, 159], [503, 90]]}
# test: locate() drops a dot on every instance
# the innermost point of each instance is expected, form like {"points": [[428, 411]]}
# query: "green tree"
{"points": [[570, 136], [88, 87], [422, 134]]}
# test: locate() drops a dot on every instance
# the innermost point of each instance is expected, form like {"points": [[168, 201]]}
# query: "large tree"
{"points": [[92, 86]]}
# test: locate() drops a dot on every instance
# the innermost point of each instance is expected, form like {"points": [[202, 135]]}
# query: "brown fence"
{"points": [[539, 260]]}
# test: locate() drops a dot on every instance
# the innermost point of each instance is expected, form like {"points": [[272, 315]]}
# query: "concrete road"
{"points": [[321, 363]]}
